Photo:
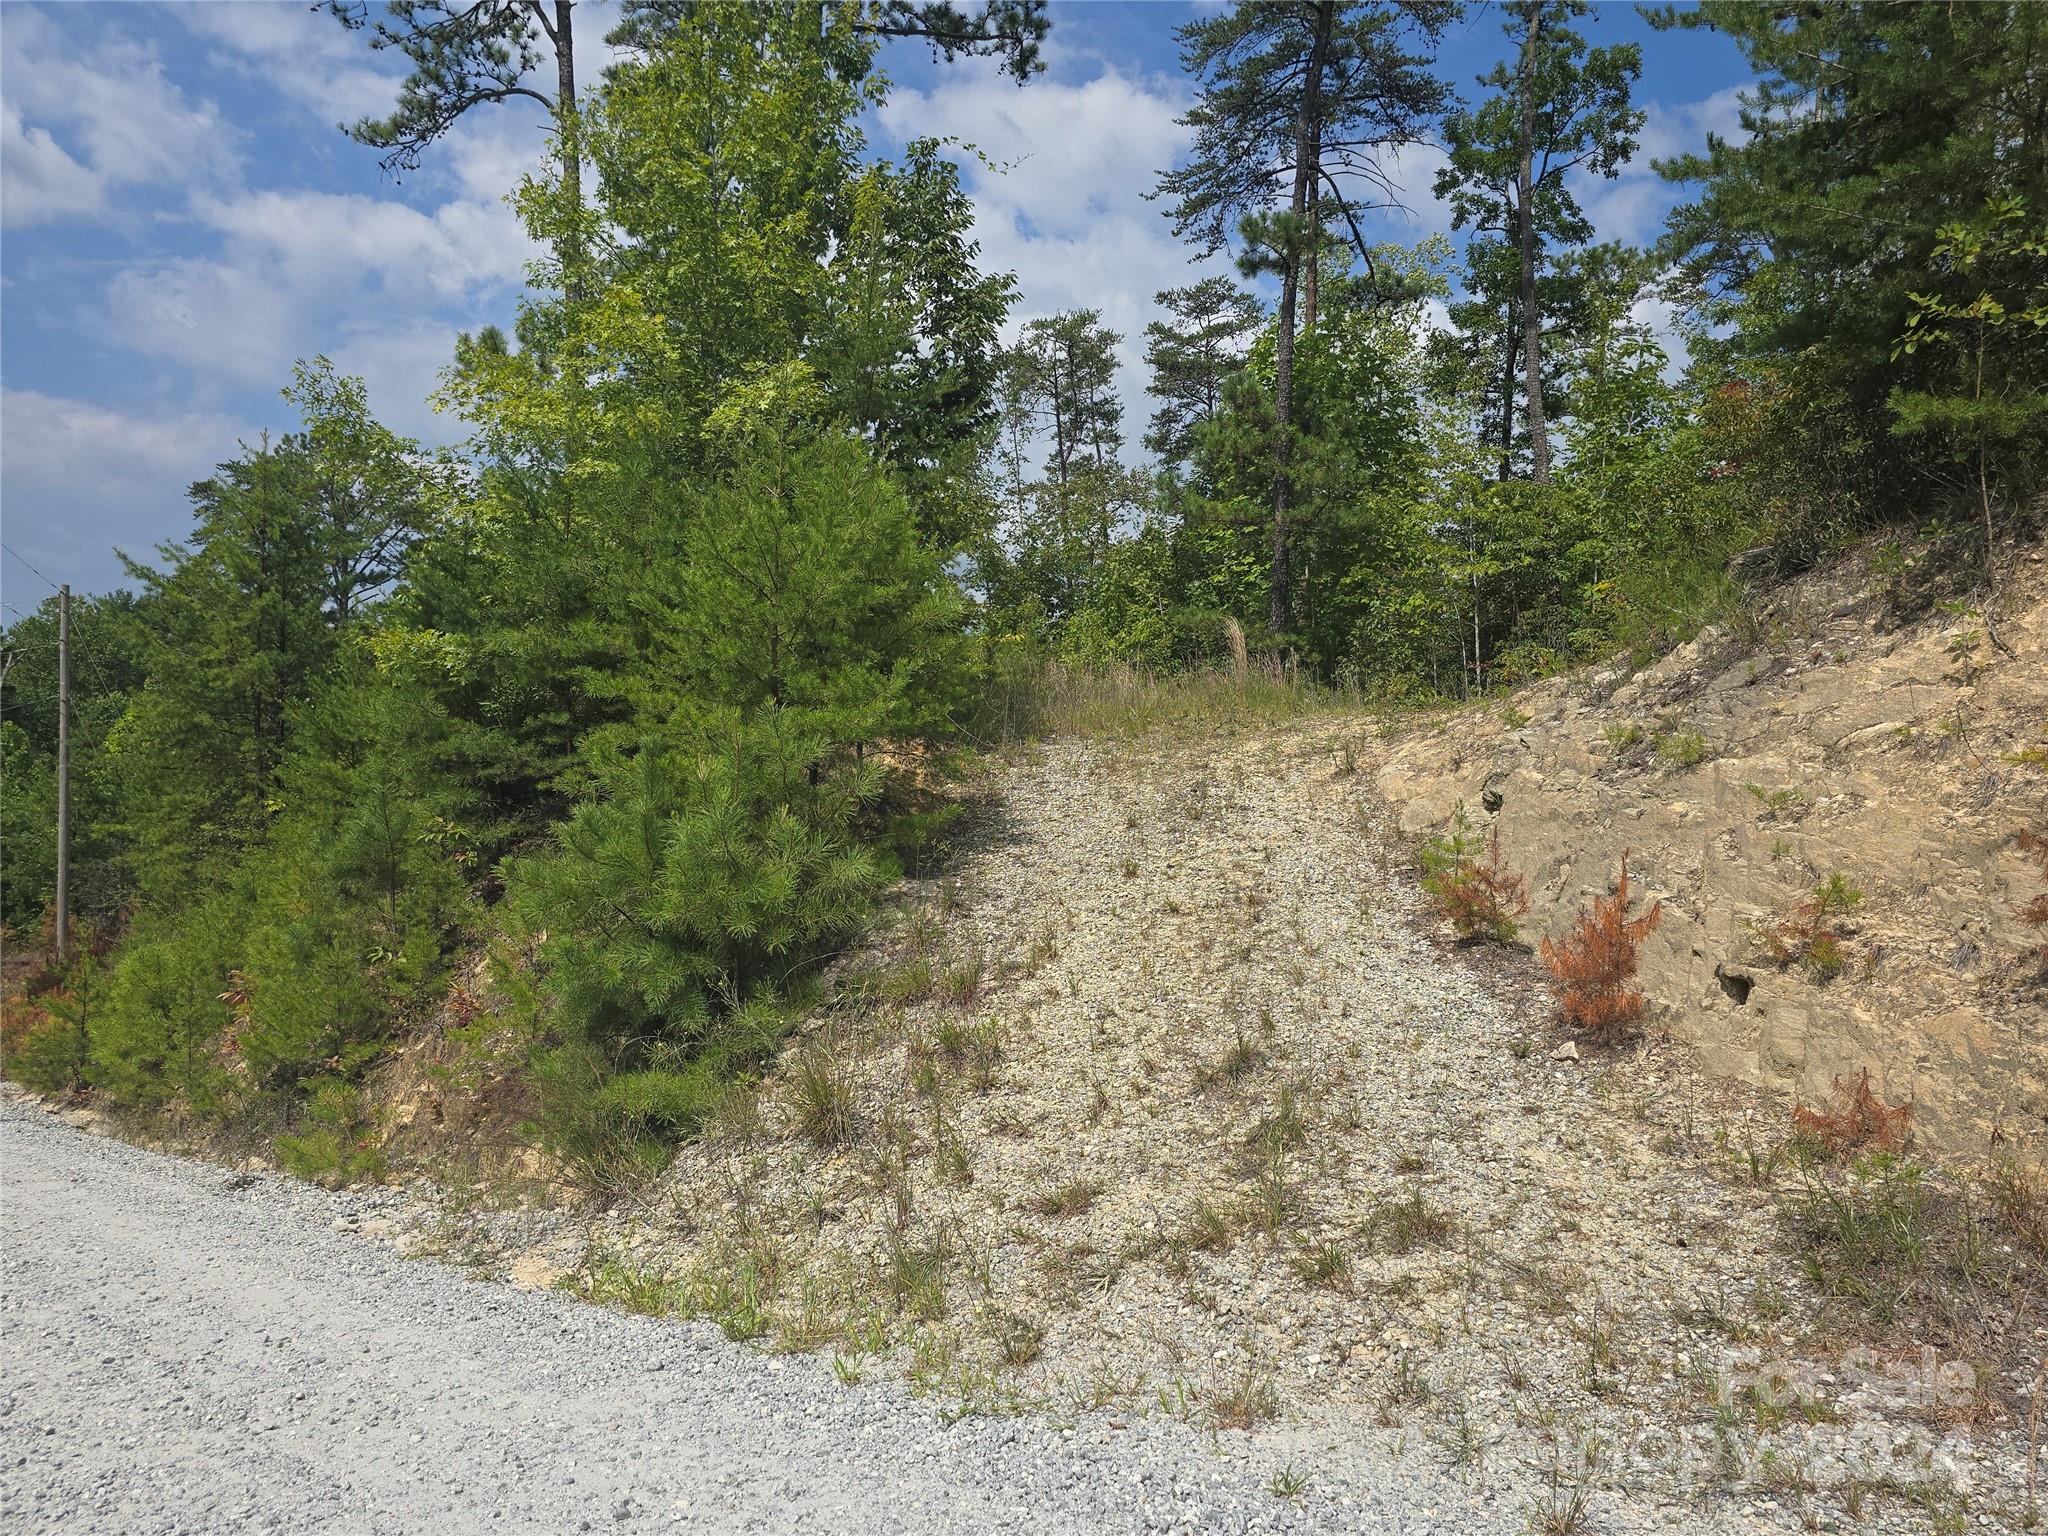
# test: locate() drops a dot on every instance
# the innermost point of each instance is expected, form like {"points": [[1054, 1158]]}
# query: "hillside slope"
{"points": [[1823, 738], [1168, 1098]]}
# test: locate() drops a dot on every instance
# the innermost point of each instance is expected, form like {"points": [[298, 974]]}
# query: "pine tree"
{"points": [[1299, 103], [1562, 108], [1192, 356], [1870, 129]]}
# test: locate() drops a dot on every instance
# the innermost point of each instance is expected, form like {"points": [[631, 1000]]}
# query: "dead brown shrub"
{"points": [[2035, 913], [1481, 897], [1590, 969], [1858, 1118]]}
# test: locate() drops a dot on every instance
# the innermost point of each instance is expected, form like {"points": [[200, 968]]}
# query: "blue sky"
{"points": [[180, 218]]}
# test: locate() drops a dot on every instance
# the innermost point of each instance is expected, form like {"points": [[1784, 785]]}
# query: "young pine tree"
{"points": [[730, 848]]}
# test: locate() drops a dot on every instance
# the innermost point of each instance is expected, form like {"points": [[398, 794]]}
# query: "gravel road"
{"points": [[183, 1355]]}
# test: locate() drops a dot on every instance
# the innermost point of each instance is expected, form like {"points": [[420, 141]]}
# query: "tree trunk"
{"points": [[569, 129], [1311, 277], [1307, 147], [1508, 349], [1532, 323]]}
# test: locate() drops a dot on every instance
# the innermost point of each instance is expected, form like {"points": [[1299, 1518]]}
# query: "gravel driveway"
{"points": [[185, 1356]]}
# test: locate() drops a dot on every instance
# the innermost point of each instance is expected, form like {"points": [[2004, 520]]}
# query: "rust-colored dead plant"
{"points": [[1858, 1118], [1591, 969]]}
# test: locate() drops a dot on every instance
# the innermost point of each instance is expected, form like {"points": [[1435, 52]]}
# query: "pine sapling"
{"points": [[1591, 968], [1481, 898], [1859, 1117]]}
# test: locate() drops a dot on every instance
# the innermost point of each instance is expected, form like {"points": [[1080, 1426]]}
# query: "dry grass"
{"points": [[821, 1094], [1127, 700], [1957, 1261]]}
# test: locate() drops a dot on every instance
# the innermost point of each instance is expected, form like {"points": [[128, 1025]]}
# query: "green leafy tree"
{"points": [[1193, 355], [1067, 492], [238, 630], [241, 624], [742, 225], [1010, 30], [803, 621], [106, 670], [1990, 321], [1063, 372]]}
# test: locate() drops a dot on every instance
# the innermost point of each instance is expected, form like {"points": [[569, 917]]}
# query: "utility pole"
{"points": [[63, 772]]}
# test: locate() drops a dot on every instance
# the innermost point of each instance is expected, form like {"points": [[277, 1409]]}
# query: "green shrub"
{"points": [[334, 1142], [164, 1035], [1681, 749]]}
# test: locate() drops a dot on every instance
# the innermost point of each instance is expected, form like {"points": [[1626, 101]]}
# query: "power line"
{"points": [[32, 570]]}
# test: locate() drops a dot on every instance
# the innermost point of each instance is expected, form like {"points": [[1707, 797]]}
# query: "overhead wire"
{"points": [[32, 570]]}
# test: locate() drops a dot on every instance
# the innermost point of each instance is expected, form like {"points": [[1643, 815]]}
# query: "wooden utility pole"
{"points": [[63, 772]]}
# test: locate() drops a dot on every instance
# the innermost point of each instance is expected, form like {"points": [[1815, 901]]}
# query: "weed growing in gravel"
{"points": [[1402, 1226], [974, 1050], [953, 1162], [1562, 1511], [910, 982], [1045, 949], [1323, 1265], [1018, 1339], [736, 1118], [614, 1280], [1245, 1400], [1274, 1202], [961, 983], [914, 1276], [1284, 1130], [735, 1296], [1287, 1483], [1958, 1261], [1208, 1229], [810, 1324], [1243, 1057], [821, 1095], [1072, 1198]]}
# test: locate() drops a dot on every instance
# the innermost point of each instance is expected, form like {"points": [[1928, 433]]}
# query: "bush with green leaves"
{"points": [[686, 905]]}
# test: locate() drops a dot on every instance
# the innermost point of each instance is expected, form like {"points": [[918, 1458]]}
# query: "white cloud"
{"points": [[88, 115], [299, 51], [1682, 128], [225, 324], [1066, 211], [323, 238], [78, 479], [1413, 171], [297, 270], [399, 369], [1632, 206]]}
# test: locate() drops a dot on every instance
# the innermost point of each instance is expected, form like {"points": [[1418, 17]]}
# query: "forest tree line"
{"points": [[759, 511]]}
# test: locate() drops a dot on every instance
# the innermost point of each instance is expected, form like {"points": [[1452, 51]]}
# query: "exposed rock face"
{"points": [[1902, 759]]}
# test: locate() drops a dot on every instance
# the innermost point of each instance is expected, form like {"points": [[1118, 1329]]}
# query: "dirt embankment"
{"points": [[1819, 737]]}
